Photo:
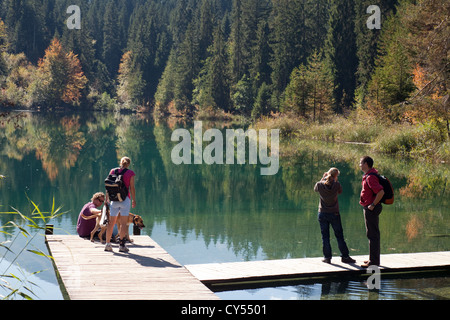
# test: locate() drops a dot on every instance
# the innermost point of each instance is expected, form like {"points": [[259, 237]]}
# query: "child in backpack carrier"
{"points": [[121, 194]]}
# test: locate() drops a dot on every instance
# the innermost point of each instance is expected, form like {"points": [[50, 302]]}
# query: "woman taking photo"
{"points": [[329, 188]]}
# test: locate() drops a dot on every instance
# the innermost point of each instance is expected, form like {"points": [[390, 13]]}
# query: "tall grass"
{"points": [[427, 141], [29, 227]]}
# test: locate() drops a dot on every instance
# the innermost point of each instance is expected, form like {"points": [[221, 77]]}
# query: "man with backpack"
{"points": [[371, 197]]}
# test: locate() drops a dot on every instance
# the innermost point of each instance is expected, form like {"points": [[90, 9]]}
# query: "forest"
{"points": [[312, 60]]}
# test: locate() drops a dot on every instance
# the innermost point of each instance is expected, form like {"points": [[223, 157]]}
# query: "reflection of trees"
{"points": [[413, 227], [57, 144]]}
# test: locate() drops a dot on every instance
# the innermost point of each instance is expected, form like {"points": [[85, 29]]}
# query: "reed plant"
{"points": [[18, 286]]}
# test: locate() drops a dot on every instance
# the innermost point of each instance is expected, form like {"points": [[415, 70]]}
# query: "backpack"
{"points": [[388, 197], [115, 186]]}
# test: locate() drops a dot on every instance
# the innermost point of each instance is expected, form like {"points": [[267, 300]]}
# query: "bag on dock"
{"points": [[105, 215], [115, 186]]}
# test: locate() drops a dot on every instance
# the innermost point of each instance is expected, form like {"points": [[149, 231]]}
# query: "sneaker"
{"points": [[327, 260], [123, 248], [348, 260], [108, 247]]}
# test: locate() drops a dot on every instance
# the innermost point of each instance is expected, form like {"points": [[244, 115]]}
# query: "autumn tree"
{"points": [[428, 39], [3, 48], [59, 76]]}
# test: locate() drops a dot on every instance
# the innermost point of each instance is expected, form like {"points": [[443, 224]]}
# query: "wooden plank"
{"points": [[310, 267], [146, 272]]}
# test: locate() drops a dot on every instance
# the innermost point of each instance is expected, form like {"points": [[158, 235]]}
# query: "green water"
{"points": [[211, 213]]}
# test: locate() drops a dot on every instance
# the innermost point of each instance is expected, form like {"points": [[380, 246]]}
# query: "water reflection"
{"points": [[426, 288], [217, 213]]}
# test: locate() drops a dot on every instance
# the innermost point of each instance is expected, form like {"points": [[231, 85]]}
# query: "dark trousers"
{"points": [[371, 219], [333, 219]]}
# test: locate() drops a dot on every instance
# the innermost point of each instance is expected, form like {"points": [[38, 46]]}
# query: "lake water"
{"points": [[216, 213]]}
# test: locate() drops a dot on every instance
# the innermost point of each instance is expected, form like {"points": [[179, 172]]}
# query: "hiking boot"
{"points": [[122, 246], [108, 247], [348, 260]]}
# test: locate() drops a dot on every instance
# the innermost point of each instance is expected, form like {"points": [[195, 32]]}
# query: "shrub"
{"points": [[397, 140]]}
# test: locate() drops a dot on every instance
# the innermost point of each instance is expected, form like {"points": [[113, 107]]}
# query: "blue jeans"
{"points": [[325, 219]]}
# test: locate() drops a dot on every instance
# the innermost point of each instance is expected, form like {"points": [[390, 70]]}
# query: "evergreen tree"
{"points": [[212, 87], [262, 104], [237, 42], [340, 49], [187, 68], [165, 91], [317, 23], [321, 85], [260, 69], [206, 25], [297, 92], [142, 41], [392, 79], [243, 96], [111, 41], [290, 45], [367, 42]]}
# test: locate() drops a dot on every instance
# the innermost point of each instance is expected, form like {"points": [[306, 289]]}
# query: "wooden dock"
{"points": [[146, 272], [266, 270]]}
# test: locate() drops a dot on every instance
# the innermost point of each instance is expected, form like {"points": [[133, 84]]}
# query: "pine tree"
{"points": [[212, 87], [321, 84], [367, 42], [206, 25], [297, 92], [237, 42], [187, 68], [340, 50], [317, 23], [242, 97], [260, 69], [111, 53], [142, 41], [262, 104], [391, 82], [290, 41]]}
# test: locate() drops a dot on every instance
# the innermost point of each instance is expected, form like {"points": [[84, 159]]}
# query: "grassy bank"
{"points": [[427, 142]]}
